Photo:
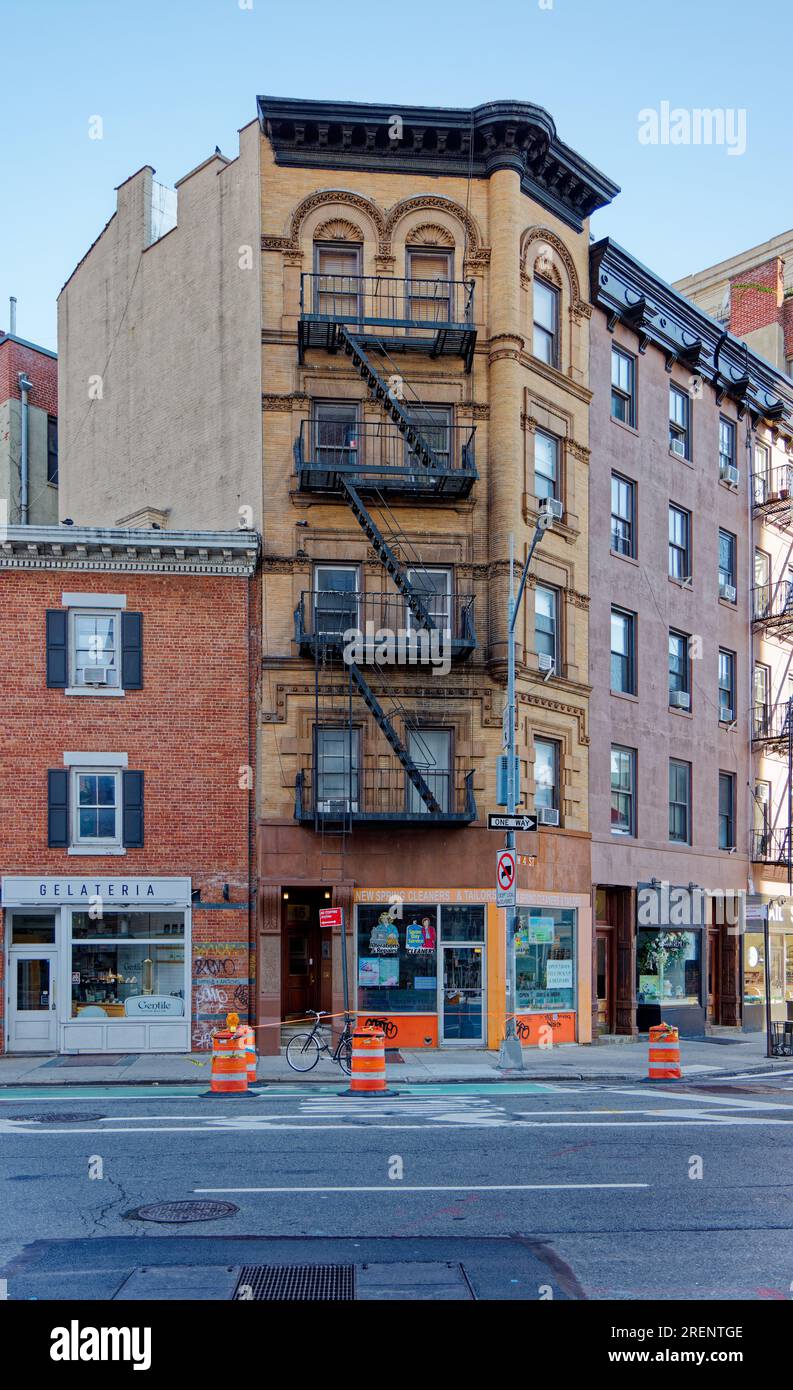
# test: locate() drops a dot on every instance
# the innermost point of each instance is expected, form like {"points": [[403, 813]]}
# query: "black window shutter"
{"points": [[132, 651], [58, 808], [57, 647], [132, 819]]}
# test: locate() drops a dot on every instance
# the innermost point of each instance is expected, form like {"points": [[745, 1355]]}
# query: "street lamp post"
{"points": [[511, 1053]]}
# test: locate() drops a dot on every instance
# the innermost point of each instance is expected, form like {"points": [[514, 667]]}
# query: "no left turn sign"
{"points": [[506, 878]]}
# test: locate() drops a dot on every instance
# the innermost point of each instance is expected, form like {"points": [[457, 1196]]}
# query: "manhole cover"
{"points": [[58, 1117], [183, 1211], [280, 1283]]}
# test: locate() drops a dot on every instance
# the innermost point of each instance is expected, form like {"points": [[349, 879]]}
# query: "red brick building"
{"points": [[126, 814], [28, 433]]}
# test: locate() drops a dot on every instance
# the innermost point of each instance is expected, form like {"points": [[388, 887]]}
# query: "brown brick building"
{"points": [[127, 809], [425, 351]]}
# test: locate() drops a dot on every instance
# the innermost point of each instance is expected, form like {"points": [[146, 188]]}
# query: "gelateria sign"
{"points": [[84, 892]]}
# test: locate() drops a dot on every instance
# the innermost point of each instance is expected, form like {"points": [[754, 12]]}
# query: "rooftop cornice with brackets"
{"points": [[440, 140], [627, 292], [233, 553]]}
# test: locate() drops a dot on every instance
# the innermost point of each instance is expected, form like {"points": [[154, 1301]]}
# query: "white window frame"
{"points": [[98, 844], [93, 610]]}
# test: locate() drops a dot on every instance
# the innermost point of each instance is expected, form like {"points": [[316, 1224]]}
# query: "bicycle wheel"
{"points": [[302, 1052], [345, 1056]]}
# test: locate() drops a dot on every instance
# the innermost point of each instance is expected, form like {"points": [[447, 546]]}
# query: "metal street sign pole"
{"points": [[511, 1053]]}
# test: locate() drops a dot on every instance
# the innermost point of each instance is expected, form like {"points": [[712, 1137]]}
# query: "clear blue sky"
{"points": [[173, 78]]}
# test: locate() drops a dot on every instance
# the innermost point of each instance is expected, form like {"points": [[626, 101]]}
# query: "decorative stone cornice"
{"points": [[233, 553], [627, 292], [433, 140], [295, 400]]}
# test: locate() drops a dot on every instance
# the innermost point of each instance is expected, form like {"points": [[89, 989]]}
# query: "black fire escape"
{"points": [[404, 456], [772, 616]]}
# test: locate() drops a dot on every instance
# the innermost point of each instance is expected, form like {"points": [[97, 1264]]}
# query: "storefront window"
{"points": [[462, 923], [753, 968], [397, 959], [545, 959], [30, 929], [668, 967], [123, 967], [132, 925]]}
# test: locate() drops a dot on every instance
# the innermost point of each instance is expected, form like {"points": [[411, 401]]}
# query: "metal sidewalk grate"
{"points": [[281, 1283]]}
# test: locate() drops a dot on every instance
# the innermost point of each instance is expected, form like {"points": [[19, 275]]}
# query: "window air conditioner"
{"points": [[679, 447], [95, 675], [337, 806], [679, 699], [725, 714], [546, 815], [729, 473], [727, 591], [546, 663]]}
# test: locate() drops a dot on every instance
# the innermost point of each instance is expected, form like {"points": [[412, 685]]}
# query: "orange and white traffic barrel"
{"points": [[664, 1053], [247, 1036], [229, 1064], [368, 1064]]}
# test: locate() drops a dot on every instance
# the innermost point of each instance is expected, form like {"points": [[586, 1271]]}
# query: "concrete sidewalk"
{"points": [[568, 1062]]}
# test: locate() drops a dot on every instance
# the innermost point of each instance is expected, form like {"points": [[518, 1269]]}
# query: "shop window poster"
{"points": [[384, 938], [368, 972], [420, 936], [389, 974]]}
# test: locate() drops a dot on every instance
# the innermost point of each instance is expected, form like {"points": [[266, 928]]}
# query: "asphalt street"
{"points": [[604, 1191]]}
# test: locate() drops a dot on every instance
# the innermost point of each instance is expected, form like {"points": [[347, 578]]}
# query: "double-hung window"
{"points": [[337, 281], [623, 790], [623, 515], [623, 386], [726, 447], [679, 671], [429, 284], [546, 623], [679, 543], [95, 804], [431, 751], [623, 653], [727, 546], [679, 432], [336, 752], [727, 810], [546, 774], [546, 465], [335, 434], [726, 685], [679, 801], [546, 322]]}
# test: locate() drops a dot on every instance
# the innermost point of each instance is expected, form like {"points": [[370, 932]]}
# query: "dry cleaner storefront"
{"points": [[97, 964]]}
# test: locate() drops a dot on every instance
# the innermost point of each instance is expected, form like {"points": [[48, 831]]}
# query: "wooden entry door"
{"points": [[302, 967], [714, 975], [604, 975]]}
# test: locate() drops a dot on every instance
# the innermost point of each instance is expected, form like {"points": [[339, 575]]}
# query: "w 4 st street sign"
{"points": [[521, 821]]}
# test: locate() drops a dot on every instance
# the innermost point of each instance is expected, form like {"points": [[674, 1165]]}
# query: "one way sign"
{"points": [[518, 822], [506, 878]]}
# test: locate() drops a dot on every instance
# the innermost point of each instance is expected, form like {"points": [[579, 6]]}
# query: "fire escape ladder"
{"points": [[385, 554], [421, 450], [382, 719]]}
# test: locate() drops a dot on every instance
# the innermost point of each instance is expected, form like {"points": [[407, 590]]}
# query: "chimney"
{"points": [[756, 297], [12, 316]]}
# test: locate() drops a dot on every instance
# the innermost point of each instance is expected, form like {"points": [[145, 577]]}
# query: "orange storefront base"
{"points": [[534, 1029], [405, 1030]]}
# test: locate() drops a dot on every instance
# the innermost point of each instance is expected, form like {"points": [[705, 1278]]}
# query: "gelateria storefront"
{"points": [[97, 965], [429, 966]]}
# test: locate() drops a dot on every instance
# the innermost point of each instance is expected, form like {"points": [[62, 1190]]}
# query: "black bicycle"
{"points": [[303, 1051]]}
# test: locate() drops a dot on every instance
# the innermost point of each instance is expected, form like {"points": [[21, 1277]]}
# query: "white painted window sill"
{"points": [[87, 690], [97, 849]]}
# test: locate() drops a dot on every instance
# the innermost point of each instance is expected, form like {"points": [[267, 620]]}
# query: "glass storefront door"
{"points": [[462, 1005], [32, 1011]]}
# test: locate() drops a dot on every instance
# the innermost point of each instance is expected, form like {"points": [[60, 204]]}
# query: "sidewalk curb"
{"points": [[494, 1080]]}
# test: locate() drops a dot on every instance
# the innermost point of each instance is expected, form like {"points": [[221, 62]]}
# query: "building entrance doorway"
{"points": [[604, 974], [306, 969], [714, 975]]}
